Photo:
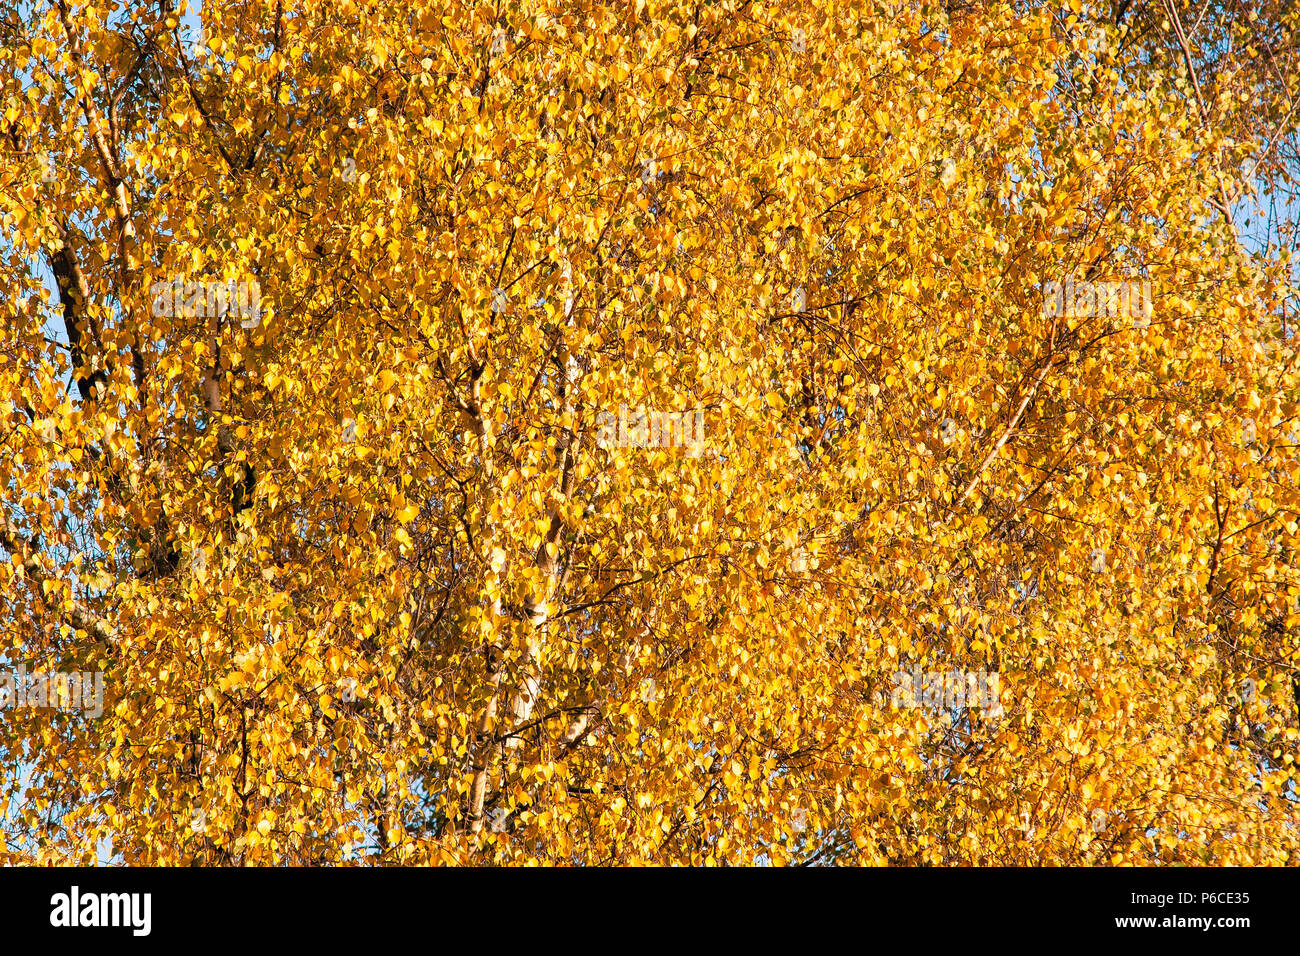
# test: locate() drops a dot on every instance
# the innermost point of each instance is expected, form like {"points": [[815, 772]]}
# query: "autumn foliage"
{"points": [[386, 564]]}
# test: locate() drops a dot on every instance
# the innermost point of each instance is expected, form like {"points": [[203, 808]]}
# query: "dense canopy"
{"points": [[655, 432]]}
